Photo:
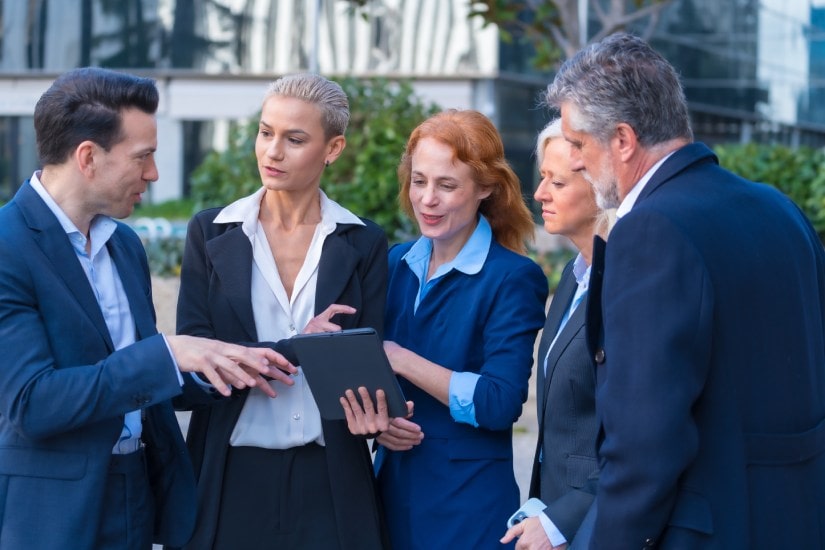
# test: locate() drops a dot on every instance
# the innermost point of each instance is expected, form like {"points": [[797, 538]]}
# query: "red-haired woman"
{"points": [[464, 306]]}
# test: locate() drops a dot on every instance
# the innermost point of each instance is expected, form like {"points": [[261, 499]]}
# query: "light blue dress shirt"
{"points": [[108, 290], [581, 271]]}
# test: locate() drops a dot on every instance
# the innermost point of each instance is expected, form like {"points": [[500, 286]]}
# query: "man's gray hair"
{"points": [[315, 89], [621, 79]]}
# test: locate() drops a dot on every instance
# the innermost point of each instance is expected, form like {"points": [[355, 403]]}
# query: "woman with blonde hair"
{"points": [[285, 260], [565, 468]]}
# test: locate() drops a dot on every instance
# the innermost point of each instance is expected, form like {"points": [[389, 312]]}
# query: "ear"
{"points": [[625, 141], [335, 147], [84, 157]]}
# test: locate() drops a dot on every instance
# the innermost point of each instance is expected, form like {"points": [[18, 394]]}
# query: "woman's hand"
{"points": [[402, 434], [365, 420], [322, 323]]}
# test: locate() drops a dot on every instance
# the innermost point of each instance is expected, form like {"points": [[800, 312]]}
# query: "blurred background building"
{"points": [[753, 70]]}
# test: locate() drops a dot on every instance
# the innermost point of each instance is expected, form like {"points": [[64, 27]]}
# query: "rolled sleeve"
{"points": [[462, 389]]}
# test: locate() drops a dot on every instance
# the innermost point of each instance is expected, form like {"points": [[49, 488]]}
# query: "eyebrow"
{"points": [[438, 179], [289, 131]]}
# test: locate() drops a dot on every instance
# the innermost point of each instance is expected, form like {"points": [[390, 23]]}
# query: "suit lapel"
{"points": [[53, 241], [140, 306], [593, 323], [231, 256], [338, 262], [558, 306], [574, 324]]}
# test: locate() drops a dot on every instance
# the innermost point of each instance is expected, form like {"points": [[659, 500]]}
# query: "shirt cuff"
{"points": [[550, 529], [174, 361], [462, 389]]}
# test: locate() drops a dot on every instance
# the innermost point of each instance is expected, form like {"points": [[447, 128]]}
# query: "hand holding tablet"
{"points": [[335, 362]]}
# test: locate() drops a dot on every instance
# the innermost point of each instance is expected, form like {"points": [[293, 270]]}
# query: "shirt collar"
{"points": [[470, 259], [100, 230], [630, 200], [581, 271], [245, 211]]}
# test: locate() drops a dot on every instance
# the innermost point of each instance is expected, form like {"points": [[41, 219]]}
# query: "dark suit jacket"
{"points": [[64, 390], [215, 301], [712, 391], [565, 478]]}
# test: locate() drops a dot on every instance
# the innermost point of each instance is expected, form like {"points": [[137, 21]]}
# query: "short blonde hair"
{"points": [[327, 95]]}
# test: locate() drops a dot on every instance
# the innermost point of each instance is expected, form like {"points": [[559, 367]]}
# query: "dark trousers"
{"points": [[276, 499], [128, 515]]}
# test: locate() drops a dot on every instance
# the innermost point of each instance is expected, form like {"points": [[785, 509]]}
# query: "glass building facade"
{"points": [[753, 70]]}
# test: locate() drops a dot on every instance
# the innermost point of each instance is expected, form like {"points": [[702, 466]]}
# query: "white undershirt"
{"points": [[292, 418]]}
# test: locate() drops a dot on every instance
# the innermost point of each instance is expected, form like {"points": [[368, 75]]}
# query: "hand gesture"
{"points": [[225, 364], [322, 323]]}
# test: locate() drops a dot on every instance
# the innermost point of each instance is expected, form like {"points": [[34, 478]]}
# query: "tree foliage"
{"points": [[363, 179], [553, 27]]}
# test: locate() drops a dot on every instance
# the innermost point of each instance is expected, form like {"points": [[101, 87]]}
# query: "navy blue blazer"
{"points": [[215, 301], [64, 390], [565, 467], [711, 385], [457, 488]]}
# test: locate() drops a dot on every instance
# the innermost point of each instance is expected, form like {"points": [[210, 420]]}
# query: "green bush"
{"points": [[799, 173], [552, 263], [363, 179], [180, 209], [164, 255]]}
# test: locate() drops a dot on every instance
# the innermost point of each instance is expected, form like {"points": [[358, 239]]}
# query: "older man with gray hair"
{"points": [[711, 352]]}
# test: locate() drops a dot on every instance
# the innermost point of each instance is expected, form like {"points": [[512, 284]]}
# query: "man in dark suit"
{"points": [[711, 365], [91, 455]]}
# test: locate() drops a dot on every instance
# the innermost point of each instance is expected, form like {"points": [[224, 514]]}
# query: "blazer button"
{"points": [[599, 356], [649, 543]]}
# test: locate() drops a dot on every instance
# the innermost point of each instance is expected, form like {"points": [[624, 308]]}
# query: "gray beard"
{"points": [[607, 193]]}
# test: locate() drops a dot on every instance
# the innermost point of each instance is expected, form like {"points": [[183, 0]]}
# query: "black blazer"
{"points": [[565, 478], [215, 301]]}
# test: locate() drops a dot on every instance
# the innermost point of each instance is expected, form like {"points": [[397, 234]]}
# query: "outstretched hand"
{"points": [[226, 365]]}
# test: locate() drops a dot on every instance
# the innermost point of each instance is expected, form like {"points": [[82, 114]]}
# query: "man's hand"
{"points": [[531, 536], [225, 364], [322, 323]]}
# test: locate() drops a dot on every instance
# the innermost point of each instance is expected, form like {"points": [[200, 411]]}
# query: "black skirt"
{"points": [[276, 499]]}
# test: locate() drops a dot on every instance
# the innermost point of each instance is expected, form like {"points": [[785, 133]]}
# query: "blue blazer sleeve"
{"points": [[508, 343]]}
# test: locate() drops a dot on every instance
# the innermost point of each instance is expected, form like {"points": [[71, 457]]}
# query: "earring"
{"points": [[326, 163]]}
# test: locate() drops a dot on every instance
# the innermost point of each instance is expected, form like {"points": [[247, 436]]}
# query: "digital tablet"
{"points": [[334, 362]]}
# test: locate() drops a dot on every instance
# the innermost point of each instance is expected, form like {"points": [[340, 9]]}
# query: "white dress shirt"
{"points": [[630, 199], [292, 418]]}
